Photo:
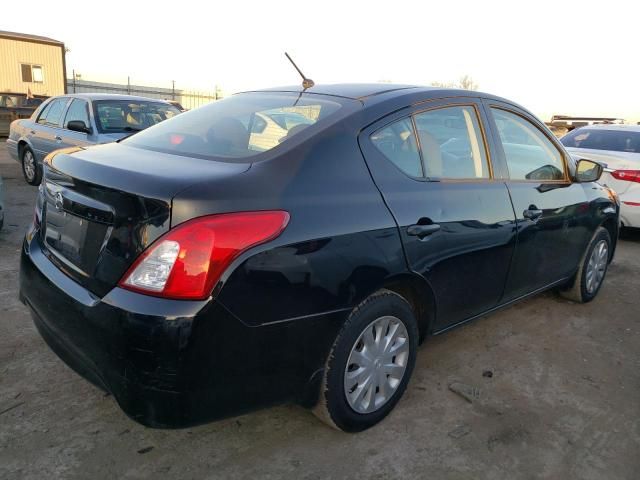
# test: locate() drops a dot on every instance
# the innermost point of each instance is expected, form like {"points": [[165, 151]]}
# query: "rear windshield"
{"points": [[237, 127], [117, 116], [600, 139]]}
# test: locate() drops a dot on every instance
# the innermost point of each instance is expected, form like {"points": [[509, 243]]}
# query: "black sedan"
{"points": [[212, 264]]}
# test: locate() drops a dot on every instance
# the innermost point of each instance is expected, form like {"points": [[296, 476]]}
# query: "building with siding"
{"points": [[31, 63]]}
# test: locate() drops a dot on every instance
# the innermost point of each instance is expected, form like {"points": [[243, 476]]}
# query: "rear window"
{"points": [[237, 127], [600, 139], [117, 116]]}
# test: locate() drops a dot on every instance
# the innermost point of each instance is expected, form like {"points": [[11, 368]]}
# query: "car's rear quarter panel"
{"points": [[340, 244]]}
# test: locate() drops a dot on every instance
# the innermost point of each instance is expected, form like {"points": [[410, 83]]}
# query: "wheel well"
{"points": [[612, 228], [21, 145], [418, 293]]}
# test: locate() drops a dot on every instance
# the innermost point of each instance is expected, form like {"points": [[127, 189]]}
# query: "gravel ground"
{"points": [[561, 401]]}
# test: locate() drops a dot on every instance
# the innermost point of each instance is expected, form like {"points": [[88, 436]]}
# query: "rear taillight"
{"points": [[188, 261], [627, 175]]}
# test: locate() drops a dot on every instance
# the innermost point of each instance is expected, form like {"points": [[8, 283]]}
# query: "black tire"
{"points": [[333, 407], [577, 290], [31, 178]]}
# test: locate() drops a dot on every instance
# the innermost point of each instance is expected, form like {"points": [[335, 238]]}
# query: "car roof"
{"points": [[355, 91], [369, 93], [612, 126], [111, 96]]}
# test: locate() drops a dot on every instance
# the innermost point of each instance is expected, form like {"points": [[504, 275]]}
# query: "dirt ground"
{"points": [[563, 400]]}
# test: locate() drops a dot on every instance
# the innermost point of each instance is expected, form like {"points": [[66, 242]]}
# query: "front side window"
{"points": [[451, 143], [603, 139], [78, 111], [118, 116], [237, 127], [530, 155], [397, 142]]}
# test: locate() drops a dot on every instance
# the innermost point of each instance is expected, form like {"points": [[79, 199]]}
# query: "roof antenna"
{"points": [[306, 82]]}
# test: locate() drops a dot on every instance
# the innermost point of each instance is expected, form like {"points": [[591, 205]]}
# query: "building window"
{"points": [[32, 73]]}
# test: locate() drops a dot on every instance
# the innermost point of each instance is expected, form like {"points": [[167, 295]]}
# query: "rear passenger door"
{"points": [[552, 213], [47, 137], [433, 167]]}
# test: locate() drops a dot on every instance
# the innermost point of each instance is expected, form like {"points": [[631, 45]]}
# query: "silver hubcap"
{"points": [[597, 266], [376, 364], [29, 165]]}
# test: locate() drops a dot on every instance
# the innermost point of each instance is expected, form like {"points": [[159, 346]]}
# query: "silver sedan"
{"points": [[80, 120]]}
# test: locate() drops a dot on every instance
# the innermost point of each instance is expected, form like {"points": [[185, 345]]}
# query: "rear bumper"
{"points": [[169, 363]]}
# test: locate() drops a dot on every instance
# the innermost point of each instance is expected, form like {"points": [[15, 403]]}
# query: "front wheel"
{"points": [[592, 269], [370, 363]]}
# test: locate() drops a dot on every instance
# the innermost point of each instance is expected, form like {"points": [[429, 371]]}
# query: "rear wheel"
{"points": [[30, 169], [370, 363], [592, 270]]}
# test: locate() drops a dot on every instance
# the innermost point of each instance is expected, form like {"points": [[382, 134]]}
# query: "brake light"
{"points": [[627, 175], [187, 262]]}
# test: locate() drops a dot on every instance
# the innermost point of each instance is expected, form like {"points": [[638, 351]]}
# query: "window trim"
{"points": [[484, 121], [507, 108]]}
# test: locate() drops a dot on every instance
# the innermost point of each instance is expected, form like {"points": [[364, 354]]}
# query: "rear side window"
{"points": [[529, 153], [397, 142], [237, 127], [42, 117], [601, 139], [451, 143], [53, 112], [78, 110]]}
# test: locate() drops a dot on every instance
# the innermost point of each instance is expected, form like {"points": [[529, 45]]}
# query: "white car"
{"points": [[269, 128], [617, 146]]}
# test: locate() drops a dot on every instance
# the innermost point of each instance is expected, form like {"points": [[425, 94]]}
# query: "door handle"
{"points": [[58, 138], [33, 132], [532, 213], [422, 231]]}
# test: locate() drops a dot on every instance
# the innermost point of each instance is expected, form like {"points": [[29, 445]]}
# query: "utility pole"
{"points": [[128, 85], [74, 80], [173, 90]]}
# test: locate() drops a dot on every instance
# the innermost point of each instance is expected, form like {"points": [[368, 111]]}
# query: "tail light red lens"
{"points": [[627, 175], [188, 261]]}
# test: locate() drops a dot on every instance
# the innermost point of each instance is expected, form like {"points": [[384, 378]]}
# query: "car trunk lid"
{"points": [[101, 207]]}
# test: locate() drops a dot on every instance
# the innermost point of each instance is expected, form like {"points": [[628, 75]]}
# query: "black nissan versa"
{"points": [[214, 263]]}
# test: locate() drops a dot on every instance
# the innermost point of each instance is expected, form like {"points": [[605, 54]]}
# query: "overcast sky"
{"points": [[570, 57]]}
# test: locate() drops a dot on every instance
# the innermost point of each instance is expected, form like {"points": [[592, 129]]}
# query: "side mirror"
{"points": [[588, 171], [78, 126]]}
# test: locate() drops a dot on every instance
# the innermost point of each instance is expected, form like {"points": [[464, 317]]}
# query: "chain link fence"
{"points": [[187, 98]]}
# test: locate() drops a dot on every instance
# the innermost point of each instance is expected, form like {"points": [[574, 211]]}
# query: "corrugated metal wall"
{"points": [[15, 52]]}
